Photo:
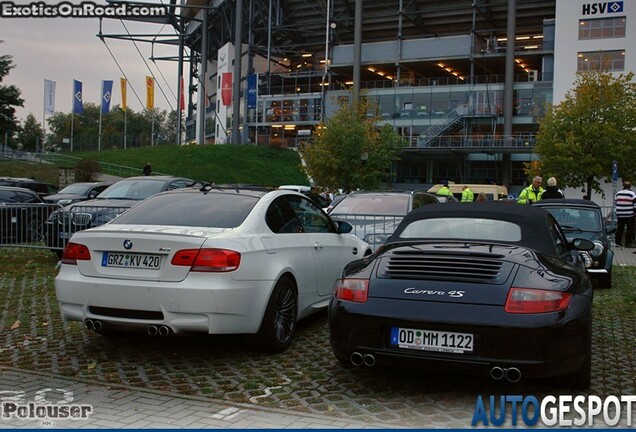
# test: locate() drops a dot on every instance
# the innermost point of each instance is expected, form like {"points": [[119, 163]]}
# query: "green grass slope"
{"points": [[211, 163]]}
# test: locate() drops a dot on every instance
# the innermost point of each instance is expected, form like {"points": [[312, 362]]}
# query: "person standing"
{"points": [[467, 195], [482, 197], [444, 190], [625, 201], [552, 191], [147, 169], [532, 193]]}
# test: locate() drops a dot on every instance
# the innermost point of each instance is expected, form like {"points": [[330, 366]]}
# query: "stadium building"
{"points": [[466, 83]]}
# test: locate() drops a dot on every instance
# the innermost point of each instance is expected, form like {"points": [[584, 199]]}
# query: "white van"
{"points": [[493, 192], [297, 188]]}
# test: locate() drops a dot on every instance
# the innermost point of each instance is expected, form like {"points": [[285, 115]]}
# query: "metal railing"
{"points": [[63, 160], [49, 226], [372, 228], [24, 225]]}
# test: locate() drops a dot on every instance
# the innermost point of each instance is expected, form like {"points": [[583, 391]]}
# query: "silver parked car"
{"points": [[375, 215]]}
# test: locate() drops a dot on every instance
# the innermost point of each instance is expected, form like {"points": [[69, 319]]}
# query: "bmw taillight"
{"points": [[530, 301], [207, 260], [74, 252], [354, 290]]}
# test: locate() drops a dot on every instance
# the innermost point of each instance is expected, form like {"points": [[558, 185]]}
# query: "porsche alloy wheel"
{"points": [[279, 322]]}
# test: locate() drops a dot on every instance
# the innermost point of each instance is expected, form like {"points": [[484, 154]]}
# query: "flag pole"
{"points": [[72, 117], [125, 114], [43, 118]]}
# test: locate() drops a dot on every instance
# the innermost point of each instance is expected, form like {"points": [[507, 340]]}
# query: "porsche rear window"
{"points": [[463, 229], [191, 209]]}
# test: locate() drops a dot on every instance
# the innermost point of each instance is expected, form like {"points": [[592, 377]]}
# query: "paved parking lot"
{"points": [[136, 381]]}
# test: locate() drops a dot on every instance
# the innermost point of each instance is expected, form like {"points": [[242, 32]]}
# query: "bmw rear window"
{"points": [[374, 205], [191, 209], [463, 229]]}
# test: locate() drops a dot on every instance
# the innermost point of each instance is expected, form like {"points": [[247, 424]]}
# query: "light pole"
{"points": [[323, 90]]}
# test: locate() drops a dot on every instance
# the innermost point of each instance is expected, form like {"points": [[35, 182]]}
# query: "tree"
{"points": [[31, 134], [350, 152], [579, 138], [9, 97]]}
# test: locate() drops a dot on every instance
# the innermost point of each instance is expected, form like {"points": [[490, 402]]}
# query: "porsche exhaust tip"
{"points": [[164, 330], [369, 360], [357, 359], [88, 323], [497, 373], [153, 330], [513, 374]]}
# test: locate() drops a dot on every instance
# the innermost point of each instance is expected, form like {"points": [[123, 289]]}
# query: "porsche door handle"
{"points": [[317, 245]]}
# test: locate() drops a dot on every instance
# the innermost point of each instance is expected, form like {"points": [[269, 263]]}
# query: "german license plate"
{"points": [[131, 260], [430, 340]]}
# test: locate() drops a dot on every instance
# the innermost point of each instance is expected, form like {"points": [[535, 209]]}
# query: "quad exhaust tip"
{"points": [[163, 330], [94, 325]]}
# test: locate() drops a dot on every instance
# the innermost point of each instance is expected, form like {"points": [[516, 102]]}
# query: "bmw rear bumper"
{"points": [[200, 303]]}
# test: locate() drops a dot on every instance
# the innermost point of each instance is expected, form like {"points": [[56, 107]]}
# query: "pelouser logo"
{"points": [[48, 405], [86, 9], [563, 410]]}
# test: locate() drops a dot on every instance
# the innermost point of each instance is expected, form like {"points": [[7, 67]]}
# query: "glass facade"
{"points": [[602, 28], [610, 61]]}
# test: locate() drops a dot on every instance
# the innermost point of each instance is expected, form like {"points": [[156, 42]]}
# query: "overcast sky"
{"points": [[64, 49]]}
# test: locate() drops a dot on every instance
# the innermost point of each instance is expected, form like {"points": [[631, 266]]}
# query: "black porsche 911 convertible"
{"points": [[488, 288]]}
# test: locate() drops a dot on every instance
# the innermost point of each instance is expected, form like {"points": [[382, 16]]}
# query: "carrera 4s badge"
{"points": [[434, 293]]}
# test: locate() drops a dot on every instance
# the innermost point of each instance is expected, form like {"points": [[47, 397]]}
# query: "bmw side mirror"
{"points": [[343, 227]]}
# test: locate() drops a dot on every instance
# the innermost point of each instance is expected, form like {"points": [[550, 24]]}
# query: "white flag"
{"points": [[49, 97]]}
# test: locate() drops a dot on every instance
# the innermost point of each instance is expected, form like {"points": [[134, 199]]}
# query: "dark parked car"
{"points": [[584, 219], [109, 204], [493, 289], [41, 188], [375, 215], [22, 215], [77, 192]]}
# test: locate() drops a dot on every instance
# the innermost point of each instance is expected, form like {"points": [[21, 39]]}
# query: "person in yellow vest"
{"points": [[467, 195], [444, 190], [532, 193]]}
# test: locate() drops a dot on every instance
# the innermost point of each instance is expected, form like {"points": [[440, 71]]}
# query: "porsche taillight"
{"points": [[207, 260], [532, 301], [354, 290], [74, 252]]}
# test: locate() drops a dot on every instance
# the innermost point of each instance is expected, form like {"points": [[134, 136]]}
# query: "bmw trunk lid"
{"points": [[139, 253]]}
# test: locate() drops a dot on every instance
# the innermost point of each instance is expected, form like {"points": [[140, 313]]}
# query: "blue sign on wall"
{"points": [[602, 8]]}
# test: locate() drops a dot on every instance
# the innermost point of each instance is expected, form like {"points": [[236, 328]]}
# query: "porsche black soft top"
{"points": [[535, 233]]}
